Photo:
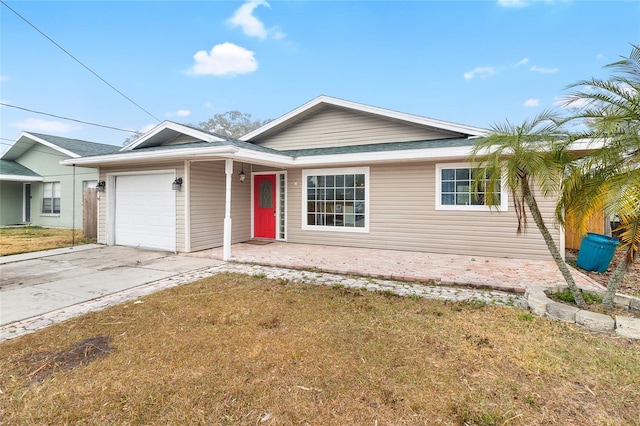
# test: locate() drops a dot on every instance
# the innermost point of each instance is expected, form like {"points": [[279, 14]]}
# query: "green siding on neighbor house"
{"points": [[46, 161], [11, 208]]}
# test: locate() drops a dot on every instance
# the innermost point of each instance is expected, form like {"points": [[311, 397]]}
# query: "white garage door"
{"points": [[145, 211]]}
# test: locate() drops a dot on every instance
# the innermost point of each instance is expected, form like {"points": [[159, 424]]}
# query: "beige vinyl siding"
{"points": [[180, 198], [403, 217], [181, 139], [208, 204], [240, 205], [333, 127]]}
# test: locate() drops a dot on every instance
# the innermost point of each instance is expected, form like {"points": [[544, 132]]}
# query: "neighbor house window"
{"points": [[336, 199], [455, 189], [51, 197]]}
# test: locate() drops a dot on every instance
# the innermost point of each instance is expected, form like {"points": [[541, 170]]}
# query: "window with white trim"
{"points": [[455, 189], [51, 198], [336, 199]]}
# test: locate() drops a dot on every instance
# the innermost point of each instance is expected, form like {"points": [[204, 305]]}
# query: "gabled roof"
{"points": [[10, 170], [73, 148], [169, 130], [317, 104]]}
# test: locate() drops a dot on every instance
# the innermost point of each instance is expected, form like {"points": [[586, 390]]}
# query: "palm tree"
{"points": [[609, 176], [526, 156]]}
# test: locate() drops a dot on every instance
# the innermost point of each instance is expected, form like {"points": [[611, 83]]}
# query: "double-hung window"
{"points": [[455, 189], [336, 199], [51, 198]]}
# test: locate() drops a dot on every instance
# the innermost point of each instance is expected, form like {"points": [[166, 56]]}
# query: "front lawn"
{"points": [[26, 239], [240, 350]]}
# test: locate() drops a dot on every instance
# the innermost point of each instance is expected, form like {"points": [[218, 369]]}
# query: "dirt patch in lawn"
{"points": [[27, 239], [240, 350], [42, 364]]}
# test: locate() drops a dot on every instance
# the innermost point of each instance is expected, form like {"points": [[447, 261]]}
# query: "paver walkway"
{"points": [[514, 275]]}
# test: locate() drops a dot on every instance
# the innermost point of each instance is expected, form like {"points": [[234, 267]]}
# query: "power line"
{"points": [[78, 61], [67, 118]]}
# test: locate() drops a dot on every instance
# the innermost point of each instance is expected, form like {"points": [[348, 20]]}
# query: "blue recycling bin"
{"points": [[596, 252]]}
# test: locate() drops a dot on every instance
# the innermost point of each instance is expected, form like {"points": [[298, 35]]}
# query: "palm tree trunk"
{"points": [[551, 245], [614, 282]]}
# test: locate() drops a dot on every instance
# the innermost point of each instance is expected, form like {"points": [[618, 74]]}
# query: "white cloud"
{"points": [[531, 102], [599, 56], [525, 3], [481, 72], [522, 62], [38, 124], [207, 105], [251, 25], [513, 3], [3, 78], [543, 70], [179, 113], [224, 59]]}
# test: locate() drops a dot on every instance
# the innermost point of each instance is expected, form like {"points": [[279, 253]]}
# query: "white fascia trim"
{"points": [[263, 158], [18, 178], [51, 145], [416, 119], [172, 126], [146, 157], [40, 141], [376, 157]]}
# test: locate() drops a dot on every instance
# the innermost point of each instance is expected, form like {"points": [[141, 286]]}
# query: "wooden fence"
{"points": [[90, 212]]}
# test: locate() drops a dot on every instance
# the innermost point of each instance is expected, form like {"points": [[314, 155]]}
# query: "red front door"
{"points": [[264, 206]]}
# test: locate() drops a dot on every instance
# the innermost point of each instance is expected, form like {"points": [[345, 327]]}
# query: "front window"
{"points": [[336, 199], [51, 198], [455, 189]]}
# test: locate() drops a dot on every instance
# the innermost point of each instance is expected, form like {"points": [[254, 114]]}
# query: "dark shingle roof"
{"points": [[77, 146], [381, 147], [8, 167]]}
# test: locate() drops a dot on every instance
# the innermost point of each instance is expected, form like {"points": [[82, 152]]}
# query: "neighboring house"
{"points": [[330, 172], [36, 189]]}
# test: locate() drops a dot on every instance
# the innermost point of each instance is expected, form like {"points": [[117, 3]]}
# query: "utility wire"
{"points": [[78, 61], [67, 118]]}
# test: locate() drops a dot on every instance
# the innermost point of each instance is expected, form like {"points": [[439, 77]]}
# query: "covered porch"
{"points": [[506, 274]]}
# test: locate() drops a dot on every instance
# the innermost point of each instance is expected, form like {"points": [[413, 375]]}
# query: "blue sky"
{"points": [[470, 62]]}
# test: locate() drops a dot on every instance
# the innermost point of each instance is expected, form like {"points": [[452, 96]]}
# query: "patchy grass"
{"points": [[241, 350], [27, 239]]}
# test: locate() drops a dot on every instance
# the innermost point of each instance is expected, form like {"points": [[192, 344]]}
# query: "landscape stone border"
{"points": [[540, 304]]}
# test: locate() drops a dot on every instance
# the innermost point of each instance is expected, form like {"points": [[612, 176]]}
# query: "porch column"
{"points": [[226, 242]]}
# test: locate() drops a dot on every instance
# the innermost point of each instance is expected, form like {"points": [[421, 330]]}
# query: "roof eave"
{"points": [[148, 157], [171, 125], [21, 178], [8, 154]]}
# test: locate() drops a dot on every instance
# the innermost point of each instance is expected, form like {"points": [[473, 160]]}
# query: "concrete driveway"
{"points": [[37, 283]]}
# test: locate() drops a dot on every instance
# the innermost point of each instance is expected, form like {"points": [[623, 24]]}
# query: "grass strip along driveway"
{"points": [[237, 349], [26, 239]]}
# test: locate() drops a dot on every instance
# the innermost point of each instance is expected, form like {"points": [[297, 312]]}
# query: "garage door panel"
{"points": [[145, 211]]}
